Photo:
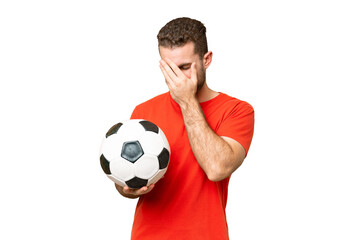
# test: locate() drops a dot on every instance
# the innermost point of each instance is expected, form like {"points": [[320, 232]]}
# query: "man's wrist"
{"points": [[190, 103], [192, 113]]}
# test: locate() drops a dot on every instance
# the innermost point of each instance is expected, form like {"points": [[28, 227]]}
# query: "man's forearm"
{"points": [[212, 152]]}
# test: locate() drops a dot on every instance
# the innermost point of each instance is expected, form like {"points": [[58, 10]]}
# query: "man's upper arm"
{"points": [[238, 150], [239, 126]]}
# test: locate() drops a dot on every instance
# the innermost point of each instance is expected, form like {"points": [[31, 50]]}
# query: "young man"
{"points": [[209, 135]]}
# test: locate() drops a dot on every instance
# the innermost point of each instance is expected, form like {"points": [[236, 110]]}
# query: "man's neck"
{"points": [[206, 94]]}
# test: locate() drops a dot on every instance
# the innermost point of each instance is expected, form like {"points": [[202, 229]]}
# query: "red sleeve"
{"points": [[239, 125], [136, 114]]}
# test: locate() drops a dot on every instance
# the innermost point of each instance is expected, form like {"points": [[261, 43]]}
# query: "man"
{"points": [[209, 135]]}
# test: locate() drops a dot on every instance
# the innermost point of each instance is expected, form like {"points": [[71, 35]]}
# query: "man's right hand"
{"points": [[133, 193]]}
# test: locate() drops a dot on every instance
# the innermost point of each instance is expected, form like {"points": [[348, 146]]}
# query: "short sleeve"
{"points": [[136, 114], [239, 124]]}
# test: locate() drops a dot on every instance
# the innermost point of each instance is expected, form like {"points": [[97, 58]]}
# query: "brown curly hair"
{"points": [[180, 31]]}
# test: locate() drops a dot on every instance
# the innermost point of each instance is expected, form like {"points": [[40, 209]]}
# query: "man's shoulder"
{"points": [[236, 103]]}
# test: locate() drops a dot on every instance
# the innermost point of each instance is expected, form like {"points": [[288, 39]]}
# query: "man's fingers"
{"points": [[127, 190], [168, 70], [135, 191], [168, 79], [174, 67], [151, 187], [145, 189], [139, 191], [193, 72]]}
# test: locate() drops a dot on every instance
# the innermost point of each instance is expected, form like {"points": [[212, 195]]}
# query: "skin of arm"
{"points": [[218, 156]]}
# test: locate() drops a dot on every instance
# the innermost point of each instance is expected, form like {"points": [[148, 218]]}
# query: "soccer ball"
{"points": [[135, 153]]}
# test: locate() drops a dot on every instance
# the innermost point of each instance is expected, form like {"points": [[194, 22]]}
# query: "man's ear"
{"points": [[207, 59]]}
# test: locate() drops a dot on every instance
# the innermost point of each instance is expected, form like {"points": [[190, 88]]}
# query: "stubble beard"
{"points": [[201, 76]]}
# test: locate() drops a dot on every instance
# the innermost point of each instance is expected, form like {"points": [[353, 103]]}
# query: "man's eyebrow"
{"points": [[184, 64]]}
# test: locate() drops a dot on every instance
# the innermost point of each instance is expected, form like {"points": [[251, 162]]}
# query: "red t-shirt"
{"points": [[185, 204]]}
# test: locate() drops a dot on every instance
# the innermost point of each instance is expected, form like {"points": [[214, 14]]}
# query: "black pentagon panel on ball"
{"points": [[164, 158], [105, 165], [114, 129], [149, 126], [136, 182], [132, 151]]}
